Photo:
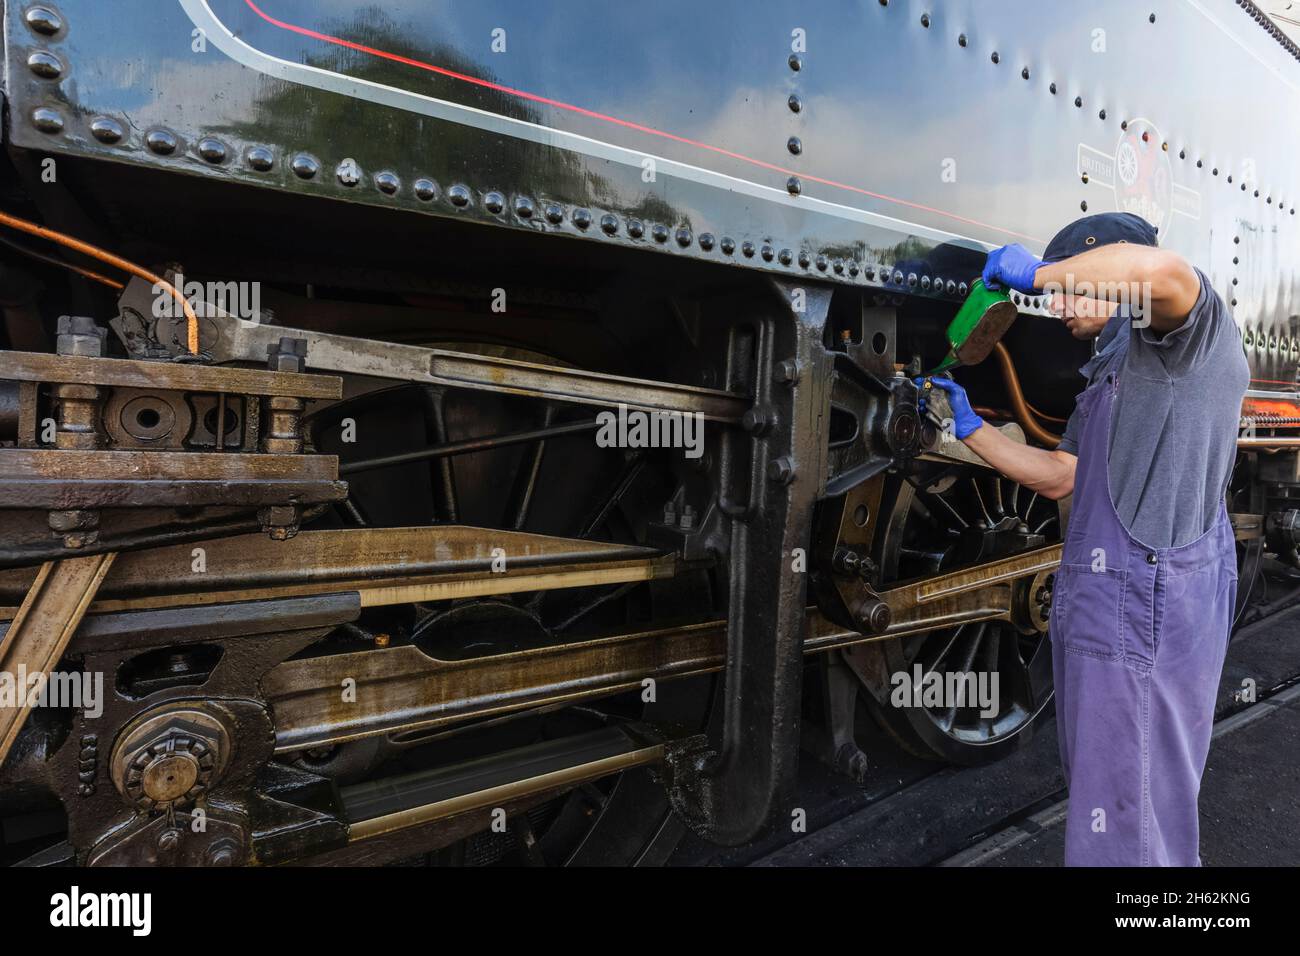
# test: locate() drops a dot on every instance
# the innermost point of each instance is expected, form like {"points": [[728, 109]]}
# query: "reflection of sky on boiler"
{"points": [[665, 80], [671, 67]]}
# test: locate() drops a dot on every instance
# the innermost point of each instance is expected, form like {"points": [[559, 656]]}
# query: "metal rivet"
{"points": [[961, 289], [911, 278], [853, 267], [837, 266], [1085, 178], [1123, 124], [387, 182], [805, 260], [925, 20], [45, 64], [961, 39], [1051, 88], [1078, 101], [1152, 18], [951, 287], [898, 277], [44, 20], [793, 186], [107, 130], [795, 62], [659, 232], [1182, 154], [1229, 177], [609, 224], [426, 190], [161, 141], [684, 237], [1024, 74], [260, 158], [459, 195], [706, 241], [582, 218], [1214, 171], [1101, 114], [767, 252], [554, 213], [1083, 206], [348, 173], [795, 103], [1199, 164], [728, 245], [305, 166], [785, 257], [868, 273], [747, 249], [795, 145], [47, 120], [494, 202], [635, 228], [995, 58], [925, 282], [212, 150]]}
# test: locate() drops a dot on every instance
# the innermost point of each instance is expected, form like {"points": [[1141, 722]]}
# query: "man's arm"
{"points": [[1050, 473], [1141, 273]]}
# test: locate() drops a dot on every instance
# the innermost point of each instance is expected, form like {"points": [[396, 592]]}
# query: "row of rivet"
{"points": [[962, 41], [1260, 340]]}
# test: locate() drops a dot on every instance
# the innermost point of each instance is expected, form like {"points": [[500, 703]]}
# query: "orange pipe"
{"points": [[85, 248], [1018, 404]]}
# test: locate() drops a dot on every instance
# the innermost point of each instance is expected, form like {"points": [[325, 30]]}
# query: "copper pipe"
{"points": [[1018, 404], [85, 248]]}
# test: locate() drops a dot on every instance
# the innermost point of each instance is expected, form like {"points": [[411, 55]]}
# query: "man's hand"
{"points": [[1013, 266], [964, 419], [1050, 473]]}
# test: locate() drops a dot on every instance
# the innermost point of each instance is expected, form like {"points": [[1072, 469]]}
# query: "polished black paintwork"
{"points": [[854, 141]]}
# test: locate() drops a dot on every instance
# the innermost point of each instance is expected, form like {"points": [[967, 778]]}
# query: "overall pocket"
{"points": [[1088, 610]]}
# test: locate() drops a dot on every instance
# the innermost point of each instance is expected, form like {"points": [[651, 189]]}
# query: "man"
{"points": [[1143, 599]]}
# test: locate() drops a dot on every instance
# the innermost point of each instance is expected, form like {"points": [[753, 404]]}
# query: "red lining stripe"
{"points": [[536, 98]]}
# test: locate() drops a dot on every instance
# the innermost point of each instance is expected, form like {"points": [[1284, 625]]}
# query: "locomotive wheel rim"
{"points": [[1022, 661]]}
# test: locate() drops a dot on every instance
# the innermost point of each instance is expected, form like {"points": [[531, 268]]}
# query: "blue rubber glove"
{"points": [[964, 419], [1013, 266]]}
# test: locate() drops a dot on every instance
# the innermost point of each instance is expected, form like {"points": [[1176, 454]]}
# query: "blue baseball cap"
{"points": [[1100, 229]]}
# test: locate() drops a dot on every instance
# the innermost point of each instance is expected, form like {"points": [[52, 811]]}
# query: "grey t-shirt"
{"points": [[1174, 423]]}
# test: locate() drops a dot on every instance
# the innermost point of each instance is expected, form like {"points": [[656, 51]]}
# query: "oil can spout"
{"points": [[980, 323]]}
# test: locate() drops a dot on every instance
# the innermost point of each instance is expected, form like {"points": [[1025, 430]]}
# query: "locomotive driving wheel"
{"points": [[562, 485], [940, 518]]}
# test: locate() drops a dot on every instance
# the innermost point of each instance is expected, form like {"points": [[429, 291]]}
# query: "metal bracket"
{"points": [[735, 791]]}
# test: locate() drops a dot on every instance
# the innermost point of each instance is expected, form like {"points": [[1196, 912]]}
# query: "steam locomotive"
{"points": [[311, 549]]}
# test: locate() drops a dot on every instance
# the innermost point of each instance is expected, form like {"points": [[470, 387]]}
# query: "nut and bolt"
{"points": [[758, 421], [786, 370], [781, 470]]}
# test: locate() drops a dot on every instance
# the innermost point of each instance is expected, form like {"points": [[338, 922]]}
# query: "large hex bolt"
{"points": [[169, 759]]}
